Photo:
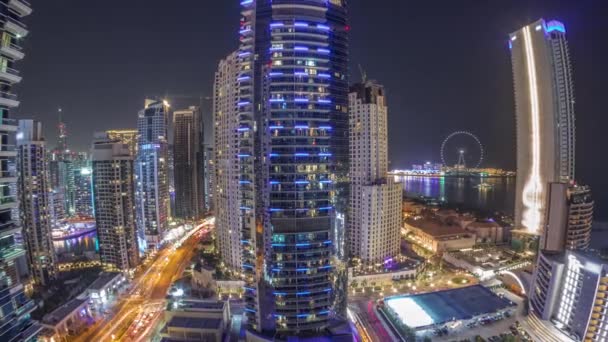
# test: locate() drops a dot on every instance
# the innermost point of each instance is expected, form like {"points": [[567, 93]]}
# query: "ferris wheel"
{"points": [[466, 146]]}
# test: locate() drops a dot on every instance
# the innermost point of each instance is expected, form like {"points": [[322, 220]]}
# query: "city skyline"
{"points": [[259, 204], [481, 41]]}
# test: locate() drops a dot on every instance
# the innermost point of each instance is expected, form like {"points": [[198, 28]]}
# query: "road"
{"points": [[147, 294]]}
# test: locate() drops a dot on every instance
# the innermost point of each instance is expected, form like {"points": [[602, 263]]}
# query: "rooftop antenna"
{"points": [[363, 74]]}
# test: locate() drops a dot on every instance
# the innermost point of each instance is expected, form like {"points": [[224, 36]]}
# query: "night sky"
{"points": [[445, 65]]}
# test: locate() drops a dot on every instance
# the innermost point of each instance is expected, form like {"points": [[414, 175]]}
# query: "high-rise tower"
{"points": [[126, 136], [544, 99], [34, 200], [374, 220], [15, 322], [151, 170], [188, 163], [113, 185], [569, 218], [293, 160], [226, 149]]}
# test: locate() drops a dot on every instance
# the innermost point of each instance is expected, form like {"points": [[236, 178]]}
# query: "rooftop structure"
{"points": [[438, 237], [428, 309]]}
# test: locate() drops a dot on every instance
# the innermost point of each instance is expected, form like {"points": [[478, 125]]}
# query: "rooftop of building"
{"points": [[483, 224], [487, 257], [103, 280], [63, 311], [589, 256], [194, 304], [436, 228], [421, 310], [195, 323]]}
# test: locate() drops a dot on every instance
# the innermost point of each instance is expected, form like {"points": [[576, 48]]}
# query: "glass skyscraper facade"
{"points": [[152, 170], [15, 307], [293, 160]]}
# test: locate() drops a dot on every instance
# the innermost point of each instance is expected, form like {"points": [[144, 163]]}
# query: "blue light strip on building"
{"points": [[556, 26]]}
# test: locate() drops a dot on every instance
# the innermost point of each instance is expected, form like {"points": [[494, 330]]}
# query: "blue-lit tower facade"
{"points": [[293, 160], [151, 171]]}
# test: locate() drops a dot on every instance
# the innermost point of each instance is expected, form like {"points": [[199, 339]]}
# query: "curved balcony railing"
{"points": [[7, 174], [6, 18], [8, 122], [9, 96], [7, 148], [8, 200]]}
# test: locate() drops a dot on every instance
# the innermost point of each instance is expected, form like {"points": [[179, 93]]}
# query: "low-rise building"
{"points": [[381, 278], [487, 231], [196, 320], [106, 284], [437, 236], [486, 263], [68, 319]]}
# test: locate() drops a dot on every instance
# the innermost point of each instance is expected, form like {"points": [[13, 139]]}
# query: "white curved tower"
{"points": [[544, 99]]}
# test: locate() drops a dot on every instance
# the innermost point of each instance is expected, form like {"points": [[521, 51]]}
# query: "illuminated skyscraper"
{"points": [[544, 99], [188, 163], [56, 196], [293, 160], [34, 201], [569, 218], [151, 170], [226, 180], [570, 294], [114, 204], [15, 322], [126, 136], [83, 198], [374, 222]]}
